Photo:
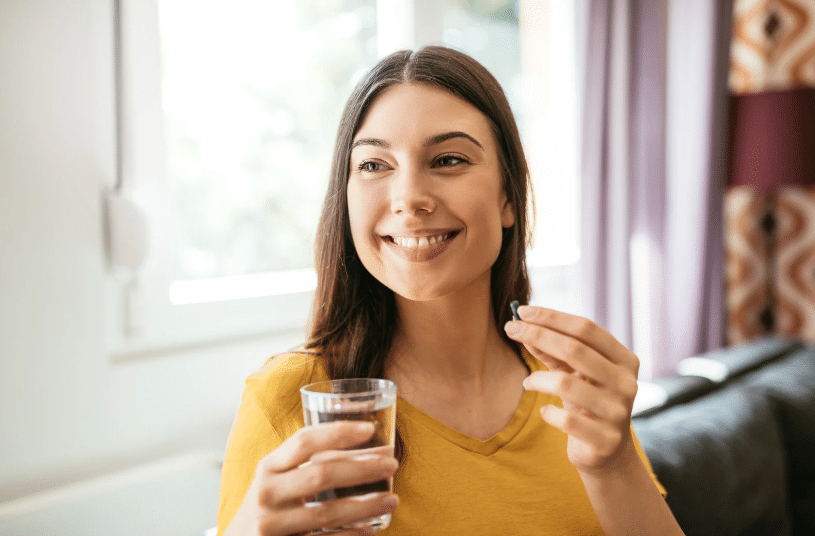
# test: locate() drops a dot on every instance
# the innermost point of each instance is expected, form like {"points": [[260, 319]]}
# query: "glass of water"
{"points": [[355, 399]]}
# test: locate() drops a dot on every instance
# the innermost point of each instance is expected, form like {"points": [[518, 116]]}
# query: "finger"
{"points": [[573, 391], [514, 329], [366, 531], [362, 531], [582, 329], [566, 349], [384, 451], [328, 514], [307, 441], [600, 439], [551, 362], [312, 478]]}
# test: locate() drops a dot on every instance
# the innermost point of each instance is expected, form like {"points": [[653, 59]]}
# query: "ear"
{"points": [[507, 214]]}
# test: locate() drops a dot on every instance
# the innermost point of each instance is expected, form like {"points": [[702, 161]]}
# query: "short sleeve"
{"points": [[270, 412], [252, 437]]}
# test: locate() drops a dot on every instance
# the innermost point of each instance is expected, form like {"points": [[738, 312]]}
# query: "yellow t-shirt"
{"points": [[518, 482]]}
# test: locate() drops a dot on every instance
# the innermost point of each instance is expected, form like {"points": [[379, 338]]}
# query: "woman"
{"points": [[506, 426]]}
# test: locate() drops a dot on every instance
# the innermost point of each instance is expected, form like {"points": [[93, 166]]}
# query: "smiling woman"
{"points": [[414, 183], [504, 426]]}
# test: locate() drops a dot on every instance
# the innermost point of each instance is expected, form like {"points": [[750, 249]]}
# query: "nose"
{"points": [[411, 192]]}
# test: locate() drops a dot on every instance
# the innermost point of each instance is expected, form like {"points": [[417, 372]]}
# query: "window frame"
{"points": [[141, 319]]}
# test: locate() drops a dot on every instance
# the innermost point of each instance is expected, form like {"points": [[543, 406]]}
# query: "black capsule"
{"points": [[514, 306]]}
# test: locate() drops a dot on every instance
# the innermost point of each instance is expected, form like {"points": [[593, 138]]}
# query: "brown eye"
{"points": [[449, 160]]}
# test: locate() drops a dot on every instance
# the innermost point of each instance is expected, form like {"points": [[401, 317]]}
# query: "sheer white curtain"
{"points": [[654, 104]]}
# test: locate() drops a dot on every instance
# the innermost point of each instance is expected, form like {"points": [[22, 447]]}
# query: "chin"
{"points": [[431, 292], [417, 293], [427, 287]]}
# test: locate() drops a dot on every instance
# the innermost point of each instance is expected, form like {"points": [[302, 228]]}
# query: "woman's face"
{"points": [[425, 196]]}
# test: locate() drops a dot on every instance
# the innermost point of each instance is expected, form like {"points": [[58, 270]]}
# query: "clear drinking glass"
{"points": [[355, 399]]}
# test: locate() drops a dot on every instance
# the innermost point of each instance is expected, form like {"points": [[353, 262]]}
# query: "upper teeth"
{"points": [[419, 242]]}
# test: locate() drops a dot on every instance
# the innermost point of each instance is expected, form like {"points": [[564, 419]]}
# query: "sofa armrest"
{"points": [[662, 393], [721, 457], [727, 363]]}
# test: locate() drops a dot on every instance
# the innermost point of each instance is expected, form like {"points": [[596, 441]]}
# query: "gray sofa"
{"points": [[732, 439]]}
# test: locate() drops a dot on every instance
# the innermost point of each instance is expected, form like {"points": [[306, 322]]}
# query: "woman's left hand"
{"points": [[593, 374]]}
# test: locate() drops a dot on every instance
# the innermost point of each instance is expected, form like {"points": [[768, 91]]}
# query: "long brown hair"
{"points": [[354, 316]]}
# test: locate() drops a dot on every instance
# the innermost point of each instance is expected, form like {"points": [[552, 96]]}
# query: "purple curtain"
{"points": [[654, 155]]}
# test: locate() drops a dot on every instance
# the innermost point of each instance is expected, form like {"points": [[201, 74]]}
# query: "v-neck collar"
{"points": [[485, 447]]}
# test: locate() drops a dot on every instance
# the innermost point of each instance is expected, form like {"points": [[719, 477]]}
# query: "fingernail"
{"points": [[512, 327], [526, 383], [390, 464], [390, 502], [366, 427]]}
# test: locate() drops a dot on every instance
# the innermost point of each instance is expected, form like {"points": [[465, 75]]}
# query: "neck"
{"points": [[451, 340]]}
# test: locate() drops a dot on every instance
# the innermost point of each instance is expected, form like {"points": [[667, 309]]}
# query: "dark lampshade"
{"points": [[772, 139]]}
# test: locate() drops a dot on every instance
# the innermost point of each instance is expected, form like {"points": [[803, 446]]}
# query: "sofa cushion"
{"points": [[721, 459], [803, 509], [790, 385]]}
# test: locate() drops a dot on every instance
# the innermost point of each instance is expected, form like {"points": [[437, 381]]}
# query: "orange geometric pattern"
{"points": [[773, 45], [794, 265], [770, 263], [748, 258], [770, 237]]}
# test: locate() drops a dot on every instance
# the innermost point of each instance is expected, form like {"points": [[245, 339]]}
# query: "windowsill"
{"points": [[279, 340]]}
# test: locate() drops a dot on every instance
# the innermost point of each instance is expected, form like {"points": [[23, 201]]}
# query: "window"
{"points": [[250, 118], [229, 117]]}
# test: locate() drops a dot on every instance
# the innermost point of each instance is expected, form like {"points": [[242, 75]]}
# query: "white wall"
{"points": [[66, 411]]}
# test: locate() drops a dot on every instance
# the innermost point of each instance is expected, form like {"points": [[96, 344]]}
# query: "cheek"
{"points": [[360, 215], [354, 220], [482, 206]]}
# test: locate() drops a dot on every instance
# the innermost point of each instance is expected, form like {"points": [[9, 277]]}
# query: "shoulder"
{"points": [[288, 369], [275, 388]]}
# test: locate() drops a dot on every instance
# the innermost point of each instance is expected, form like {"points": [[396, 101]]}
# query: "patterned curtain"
{"points": [[770, 201]]}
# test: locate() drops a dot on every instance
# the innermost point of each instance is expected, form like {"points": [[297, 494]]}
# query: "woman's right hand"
{"points": [[309, 462]]}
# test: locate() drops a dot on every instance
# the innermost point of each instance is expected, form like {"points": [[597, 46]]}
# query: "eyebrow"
{"points": [[432, 140]]}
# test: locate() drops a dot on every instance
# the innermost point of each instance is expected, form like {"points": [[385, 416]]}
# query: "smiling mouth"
{"points": [[421, 242]]}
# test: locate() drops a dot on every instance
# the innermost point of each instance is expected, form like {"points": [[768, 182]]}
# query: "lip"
{"points": [[420, 254]]}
